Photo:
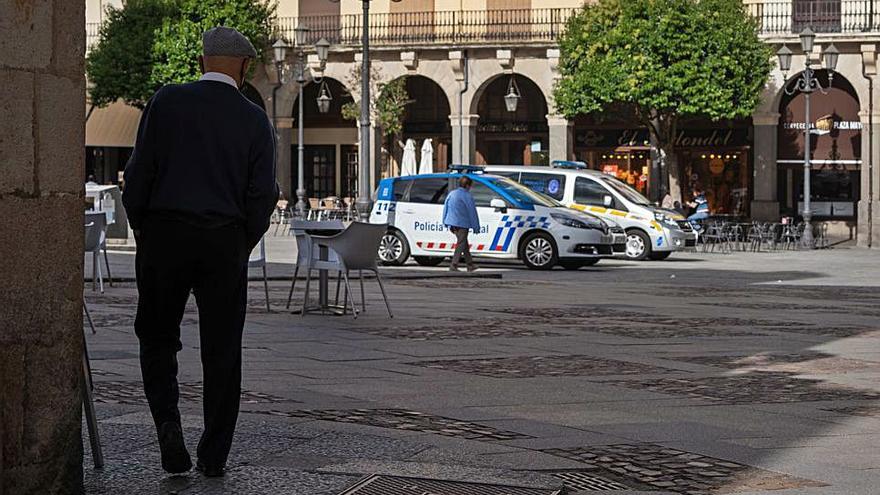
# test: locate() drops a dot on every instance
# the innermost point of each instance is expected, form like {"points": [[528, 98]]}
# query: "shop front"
{"points": [[716, 160], [835, 153]]}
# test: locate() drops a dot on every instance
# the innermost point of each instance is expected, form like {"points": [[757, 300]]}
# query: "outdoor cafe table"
{"points": [[324, 305]]}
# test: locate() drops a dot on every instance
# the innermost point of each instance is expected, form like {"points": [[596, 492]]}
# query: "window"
{"points": [[430, 191], [398, 193], [552, 185], [482, 194], [509, 175], [589, 192]]}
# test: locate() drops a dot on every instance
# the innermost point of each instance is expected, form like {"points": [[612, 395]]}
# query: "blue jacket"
{"points": [[459, 210]]}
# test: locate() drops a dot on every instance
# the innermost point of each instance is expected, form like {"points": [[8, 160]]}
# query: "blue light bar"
{"points": [[467, 169], [568, 164]]}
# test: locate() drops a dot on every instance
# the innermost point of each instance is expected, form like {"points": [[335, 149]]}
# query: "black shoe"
{"points": [[210, 471], [175, 458]]}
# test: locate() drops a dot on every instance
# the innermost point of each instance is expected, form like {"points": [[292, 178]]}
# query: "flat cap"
{"points": [[227, 42]]}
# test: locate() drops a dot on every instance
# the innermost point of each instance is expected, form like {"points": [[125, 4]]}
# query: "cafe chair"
{"points": [[304, 246], [100, 221], [355, 249], [257, 259], [93, 239]]}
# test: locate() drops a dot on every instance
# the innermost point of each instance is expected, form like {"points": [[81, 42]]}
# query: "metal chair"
{"points": [[93, 237], [257, 259], [99, 219], [304, 246], [356, 249]]}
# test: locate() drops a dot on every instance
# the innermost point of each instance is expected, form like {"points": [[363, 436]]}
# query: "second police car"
{"points": [[516, 223], [652, 232]]}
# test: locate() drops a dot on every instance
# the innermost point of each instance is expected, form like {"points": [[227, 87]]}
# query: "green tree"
{"points": [[179, 39], [666, 59], [120, 65], [388, 109], [149, 43]]}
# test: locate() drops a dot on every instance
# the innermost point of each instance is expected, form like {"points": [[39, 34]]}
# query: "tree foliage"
{"points": [[388, 108], [120, 65], [146, 44], [666, 58], [179, 39]]}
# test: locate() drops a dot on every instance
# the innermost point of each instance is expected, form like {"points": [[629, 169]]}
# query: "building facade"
{"points": [[461, 57]]}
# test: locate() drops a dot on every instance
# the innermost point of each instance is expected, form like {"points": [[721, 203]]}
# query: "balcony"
{"points": [[459, 27], [789, 17]]}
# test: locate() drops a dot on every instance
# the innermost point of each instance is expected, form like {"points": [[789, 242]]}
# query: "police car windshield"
{"points": [[523, 194], [627, 192]]}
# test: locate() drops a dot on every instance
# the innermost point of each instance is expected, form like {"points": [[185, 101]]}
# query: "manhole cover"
{"points": [[397, 485], [532, 366], [400, 419], [586, 482]]}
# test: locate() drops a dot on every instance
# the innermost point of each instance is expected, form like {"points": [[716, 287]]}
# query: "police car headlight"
{"points": [[579, 223]]}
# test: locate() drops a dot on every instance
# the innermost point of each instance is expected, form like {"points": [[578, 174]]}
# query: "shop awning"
{"points": [[114, 125]]}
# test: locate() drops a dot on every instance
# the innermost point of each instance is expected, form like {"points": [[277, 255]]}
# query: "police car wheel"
{"points": [[428, 260], [660, 256], [539, 252], [393, 249], [638, 245]]}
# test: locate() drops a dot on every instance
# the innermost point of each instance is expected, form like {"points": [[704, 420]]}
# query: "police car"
{"points": [[515, 223], [652, 232]]}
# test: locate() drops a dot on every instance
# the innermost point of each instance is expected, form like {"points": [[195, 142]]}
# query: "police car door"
{"points": [[593, 197], [421, 217], [486, 242]]}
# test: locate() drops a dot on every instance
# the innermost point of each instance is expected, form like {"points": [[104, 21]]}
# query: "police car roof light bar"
{"points": [[467, 169], [568, 164]]}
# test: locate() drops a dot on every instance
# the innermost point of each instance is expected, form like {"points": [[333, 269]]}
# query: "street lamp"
{"points": [[324, 98], [511, 99], [301, 33], [806, 83]]}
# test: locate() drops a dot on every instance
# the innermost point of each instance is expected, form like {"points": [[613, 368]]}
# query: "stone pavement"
{"points": [[708, 373]]}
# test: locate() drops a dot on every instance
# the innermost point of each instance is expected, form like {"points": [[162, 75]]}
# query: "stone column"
{"points": [[42, 156], [283, 159], [464, 138], [561, 138], [868, 228], [765, 206]]}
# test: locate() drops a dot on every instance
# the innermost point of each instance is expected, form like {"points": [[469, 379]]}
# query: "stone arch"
{"points": [[426, 117], [518, 137]]}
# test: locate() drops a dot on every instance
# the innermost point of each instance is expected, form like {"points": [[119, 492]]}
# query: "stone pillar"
{"points": [[868, 228], [42, 156], [765, 206], [561, 138], [464, 139], [284, 160]]}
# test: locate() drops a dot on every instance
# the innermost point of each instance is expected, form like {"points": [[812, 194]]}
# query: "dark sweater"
{"points": [[204, 155]]}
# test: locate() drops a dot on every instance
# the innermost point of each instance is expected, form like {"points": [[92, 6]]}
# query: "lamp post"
{"points": [[301, 33], [364, 202], [279, 52], [806, 83]]}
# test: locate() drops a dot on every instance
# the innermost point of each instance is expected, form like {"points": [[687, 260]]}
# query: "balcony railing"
{"points": [[786, 17], [437, 27]]}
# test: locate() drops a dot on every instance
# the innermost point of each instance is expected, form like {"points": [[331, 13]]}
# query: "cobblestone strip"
{"points": [[132, 393], [401, 419], [676, 470], [532, 366], [754, 387]]}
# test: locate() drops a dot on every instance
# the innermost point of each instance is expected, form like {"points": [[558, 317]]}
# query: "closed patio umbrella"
{"points": [[408, 163], [427, 164]]}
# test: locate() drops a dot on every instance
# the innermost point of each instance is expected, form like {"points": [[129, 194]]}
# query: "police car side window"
{"points": [[588, 192], [482, 194], [398, 193], [552, 185], [430, 191], [510, 175]]}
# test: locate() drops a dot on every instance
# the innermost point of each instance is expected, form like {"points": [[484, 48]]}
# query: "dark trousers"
{"points": [[462, 247], [174, 258]]}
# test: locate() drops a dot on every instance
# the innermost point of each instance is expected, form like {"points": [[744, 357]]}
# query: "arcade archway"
{"points": [[518, 137]]}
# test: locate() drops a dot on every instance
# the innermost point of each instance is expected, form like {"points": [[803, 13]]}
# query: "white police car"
{"points": [[515, 223]]}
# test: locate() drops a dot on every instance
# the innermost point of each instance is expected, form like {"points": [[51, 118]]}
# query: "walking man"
{"points": [[199, 191], [460, 215]]}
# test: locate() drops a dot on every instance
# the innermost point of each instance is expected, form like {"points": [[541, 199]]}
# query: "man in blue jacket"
{"points": [[199, 191], [460, 215]]}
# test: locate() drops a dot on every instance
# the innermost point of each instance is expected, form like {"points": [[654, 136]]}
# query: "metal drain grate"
{"points": [[396, 485], [581, 481]]}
